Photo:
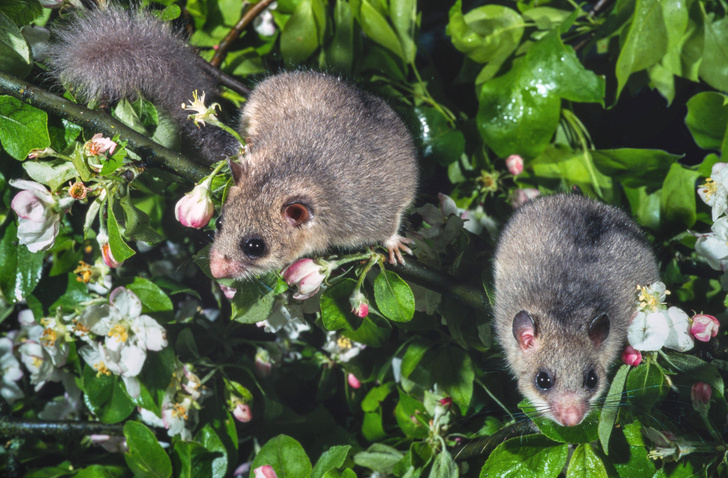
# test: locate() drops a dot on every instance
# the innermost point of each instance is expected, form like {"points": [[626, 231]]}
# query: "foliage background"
{"points": [[623, 99]]}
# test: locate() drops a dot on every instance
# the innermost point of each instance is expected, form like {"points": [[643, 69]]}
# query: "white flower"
{"points": [[653, 297], [715, 190], [306, 274], [650, 331], [342, 349], [40, 365], [264, 24], [11, 372], [286, 319], [714, 246], [174, 417], [126, 362], [679, 337], [39, 214]]}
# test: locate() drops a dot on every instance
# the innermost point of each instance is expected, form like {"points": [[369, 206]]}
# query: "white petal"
{"points": [[126, 302], [96, 318], [648, 332], [133, 388], [132, 360], [150, 334], [679, 337]]}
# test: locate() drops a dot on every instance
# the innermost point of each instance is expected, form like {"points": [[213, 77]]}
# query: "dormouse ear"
{"points": [[237, 169], [524, 330], [296, 213], [599, 329]]}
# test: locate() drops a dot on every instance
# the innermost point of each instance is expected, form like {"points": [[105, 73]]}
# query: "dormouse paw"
{"points": [[395, 245]]}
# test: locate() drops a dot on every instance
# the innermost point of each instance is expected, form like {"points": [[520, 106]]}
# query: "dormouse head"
{"points": [[562, 372], [265, 224]]}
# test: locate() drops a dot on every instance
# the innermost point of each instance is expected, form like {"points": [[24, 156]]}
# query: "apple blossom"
{"points": [[307, 275], [98, 145], [715, 190], [77, 190], [265, 471], [201, 113], [285, 319], [195, 209], [631, 356], [10, 371], [514, 163], [704, 327], [103, 240], [39, 214], [341, 348], [714, 245]]}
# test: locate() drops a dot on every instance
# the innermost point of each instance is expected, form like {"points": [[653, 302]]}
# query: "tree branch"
{"points": [[54, 429], [474, 297], [225, 44], [155, 154]]}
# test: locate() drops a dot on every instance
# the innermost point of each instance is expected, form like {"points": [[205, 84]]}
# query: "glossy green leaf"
{"points": [[439, 141], [378, 457], [340, 51], [646, 41], [454, 373], [530, 456], [411, 416], [105, 396], [249, 305], [286, 456], [146, 457], [677, 202], [21, 269], [119, 249], [54, 174], [694, 370], [561, 168], [610, 408], [585, 463], [374, 331], [631, 459], [22, 12], [212, 442], [444, 466], [707, 120], [404, 19], [192, 460], [413, 355], [15, 55], [331, 459], [585, 432], [486, 33], [152, 297], [714, 65], [394, 297], [635, 167], [300, 37], [23, 128], [645, 385], [336, 311], [376, 27]]}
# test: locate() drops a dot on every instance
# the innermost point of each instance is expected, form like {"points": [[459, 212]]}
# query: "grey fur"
{"points": [[566, 259], [318, 140], [115, 53]]}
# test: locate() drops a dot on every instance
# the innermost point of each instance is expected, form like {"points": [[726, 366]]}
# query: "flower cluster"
{"points": [[713, 246]]}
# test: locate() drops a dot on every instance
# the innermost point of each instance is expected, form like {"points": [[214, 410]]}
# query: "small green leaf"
{"points": [[286, 456], [146, 457], [331, 459], [530, 456], [105, 396], [119, 249], [677, 202], [394, 297], [714, 65], [444, 466], [635, 167], [585, 463], [707, 120], [249, 306], [336, 311], [15, 57], [302, 33], [376, 27], [23, 128], [21, 269], [404, 19], [379, 457], [54, 174], [645, 385], [411, 416], [611, 407], [585, 432], [152, 297], [454, 373], [340, 51], [192, 460]]}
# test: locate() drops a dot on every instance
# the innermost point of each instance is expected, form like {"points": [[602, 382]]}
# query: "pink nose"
{"points": [[569, 410], [222, 268], [571, 416]]}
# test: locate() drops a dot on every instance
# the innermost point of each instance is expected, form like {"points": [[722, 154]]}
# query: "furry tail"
{"points": [[115, 53]]}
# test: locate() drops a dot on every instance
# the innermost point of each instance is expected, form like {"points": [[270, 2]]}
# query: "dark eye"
{"points": [[253, 247], [218, 223], [543, 381], [591, 381]]}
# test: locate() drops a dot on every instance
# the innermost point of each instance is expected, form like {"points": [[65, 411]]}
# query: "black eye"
{"points": [[253, 247], [543, 381], [591, 381], [218, 223]]}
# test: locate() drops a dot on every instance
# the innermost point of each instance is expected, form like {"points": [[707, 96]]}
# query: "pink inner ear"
{"points": [[296, 214], [526, 339]]}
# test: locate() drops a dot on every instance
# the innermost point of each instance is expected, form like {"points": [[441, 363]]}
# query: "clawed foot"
{"points": [[395, 245]]}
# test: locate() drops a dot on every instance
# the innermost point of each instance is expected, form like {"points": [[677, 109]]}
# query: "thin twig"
{"points": [[223, 78], [247, 17], [155, 154]]}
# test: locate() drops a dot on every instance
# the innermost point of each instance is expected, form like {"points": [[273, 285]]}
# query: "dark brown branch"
{"points": [[223, 78], [155, 154], [225, 44]]}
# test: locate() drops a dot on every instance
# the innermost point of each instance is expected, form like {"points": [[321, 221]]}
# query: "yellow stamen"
{"points": [[709, 188], [119, 332], [179, 411], [101, 369], [344, 343], [49, 337]]}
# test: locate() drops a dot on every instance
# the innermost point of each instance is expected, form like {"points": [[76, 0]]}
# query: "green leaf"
{"points": [[611, 407], [585, 432], [525, 457], [192, 460], [487, 33], [105, 396], [696, 370], [635, 167], [21, 269], [631, 459], [54, 174], [146, 457], [677, 201], [394, 297], [645, 385], [444, 466], [23, 128], [22, 12], [302, 33], [413, 355], [249, 306], [374, 331], [212, 442], [585, 463], [439, 141], [707, 120], [561, 168], [336, 311], [153, 298], [646, 41], [404, 19], [101, 471], [340, 51], [286, 456], [154, 380], [376, 27], [331, 459], [454, 373], [379, 457], [15, 55], [714, 65], [411, 416], [119, 249]]}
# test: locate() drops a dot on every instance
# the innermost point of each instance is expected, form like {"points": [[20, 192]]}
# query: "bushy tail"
{"points": [[115, 53]]}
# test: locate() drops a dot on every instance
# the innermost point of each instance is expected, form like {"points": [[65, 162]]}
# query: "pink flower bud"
{"points": [[195, 209], [264, 472], [242, 413], [106, 255], [353, 381], [446, 402], [514, 163], [700, 395], [39, 214], [263, 364], [77, 190], [228, 292], [704, 327], [631, 356], [99, 145], [519, 197], [359, 304], [307, 275]]}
